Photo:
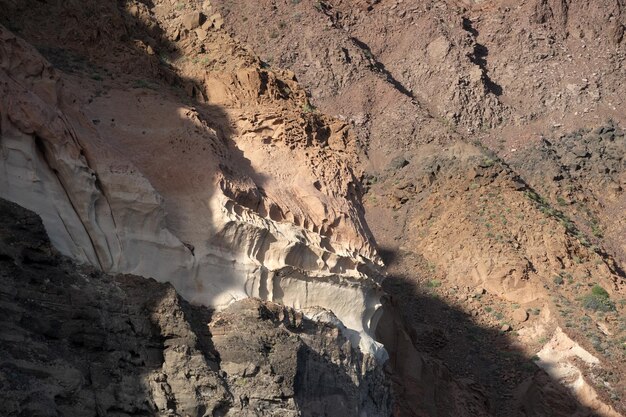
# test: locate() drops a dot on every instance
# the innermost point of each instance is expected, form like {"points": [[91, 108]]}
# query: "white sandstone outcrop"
{"points": [[562, 358], [264, 208]]}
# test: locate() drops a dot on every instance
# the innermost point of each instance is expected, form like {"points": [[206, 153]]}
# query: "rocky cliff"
{"points": [[78, 342], [494, 177], [241, 194], [239, 153]]}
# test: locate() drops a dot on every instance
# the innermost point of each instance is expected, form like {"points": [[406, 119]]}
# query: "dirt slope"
{"points": [[495, 172]]}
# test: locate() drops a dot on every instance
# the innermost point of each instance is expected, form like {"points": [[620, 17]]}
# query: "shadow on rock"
{"points": [[444, 364]]}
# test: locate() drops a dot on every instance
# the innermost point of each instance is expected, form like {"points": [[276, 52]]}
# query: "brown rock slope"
{"points": [[150, 140], [483, 224]]}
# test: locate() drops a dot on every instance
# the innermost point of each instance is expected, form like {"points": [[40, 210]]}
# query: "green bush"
{"points": [[598, 300], [434, 283], [308, 108], [599, 291]]}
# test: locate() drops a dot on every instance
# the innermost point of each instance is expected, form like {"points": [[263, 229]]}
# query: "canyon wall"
{"points": [[243, 195], [78, 342]]}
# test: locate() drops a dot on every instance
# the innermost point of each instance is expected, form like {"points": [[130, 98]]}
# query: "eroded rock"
{"points": [[78, 342]]}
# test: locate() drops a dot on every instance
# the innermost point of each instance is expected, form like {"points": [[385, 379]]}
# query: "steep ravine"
{"points": [[492, 253], [152, 143]]}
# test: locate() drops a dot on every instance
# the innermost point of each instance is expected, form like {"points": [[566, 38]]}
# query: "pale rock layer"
{"points": [[562, 358], [134, 182]]}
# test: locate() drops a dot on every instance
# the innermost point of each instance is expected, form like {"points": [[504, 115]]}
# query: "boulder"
{"points": [[520, 315], [192, 20]]}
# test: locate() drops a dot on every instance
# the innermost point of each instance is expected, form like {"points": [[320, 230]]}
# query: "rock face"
{"points": [[281, 355], [77, 342], [561, 358], [243, 195], [494, 180], [588, 166], [485, 139]]}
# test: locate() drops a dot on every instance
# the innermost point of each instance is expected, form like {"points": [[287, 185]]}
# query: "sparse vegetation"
{"points": [[488, 162], [596, 230], [308, 108], [599, 291], [545, 208], [433, 283], [598, 300]]}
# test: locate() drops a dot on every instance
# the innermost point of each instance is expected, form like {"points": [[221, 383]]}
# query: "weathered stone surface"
{"points": [[120, 208], [271, 354], [192, 20], [520, 315], [77, 342]]}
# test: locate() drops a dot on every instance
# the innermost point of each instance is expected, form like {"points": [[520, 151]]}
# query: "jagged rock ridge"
{"points": [[78, 342]]}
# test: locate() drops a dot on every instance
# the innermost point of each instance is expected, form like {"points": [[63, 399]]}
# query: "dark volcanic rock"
{"points": [[77, 342], [282, 357]]}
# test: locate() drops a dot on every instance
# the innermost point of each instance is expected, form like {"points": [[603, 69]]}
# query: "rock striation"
{"points": [[243, 195], [78, 342]]}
